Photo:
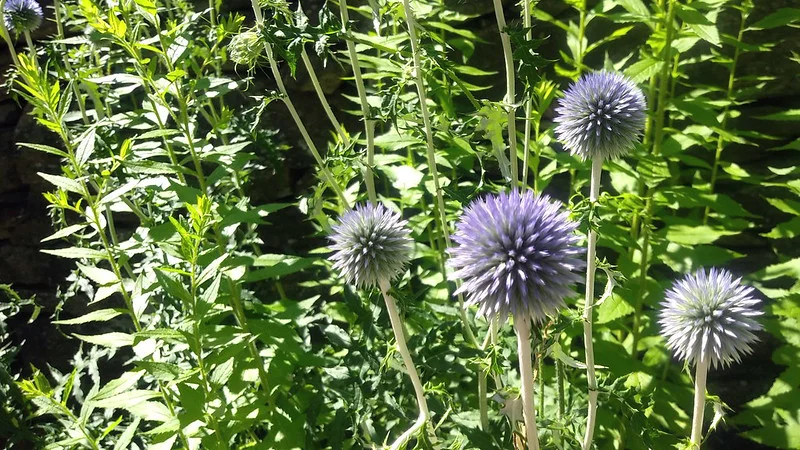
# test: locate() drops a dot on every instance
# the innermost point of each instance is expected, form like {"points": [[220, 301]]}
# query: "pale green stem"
{"points": [[522, 326], [510, 91], [701, 371], [482, 403], [7, 37], [526, 20], [326, 174], [31, 47], [68, 66], [423, 101], [322, 99], [729, 93], [591, 415], [402, 348], [369, 123]]}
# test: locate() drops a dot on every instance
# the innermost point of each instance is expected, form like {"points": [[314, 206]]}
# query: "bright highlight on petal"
{"points": [[22, 15], [371, 244], [710, 315], [602, 114], [516, 254]]}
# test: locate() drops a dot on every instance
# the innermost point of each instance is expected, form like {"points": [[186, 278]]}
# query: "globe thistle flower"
{"points": [[245, 48], [710, 315], [517, 254], [371, 244], [22, 15], [601, 115]]}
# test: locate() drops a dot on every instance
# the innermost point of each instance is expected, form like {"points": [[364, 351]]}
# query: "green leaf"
{"points": [[160, 370], [77, 253], [68, 184], [45, 149], [696, 234], [635, 7], [125, 382], [222, 373], [98, 275], [125, 399], [277, 266], [86, 146], [700, 23], [65, 232], [101, 315], [788, 115], [167, 334], [789, 268], [779, 18], [124, 440], [613, 308], [111, 340]]}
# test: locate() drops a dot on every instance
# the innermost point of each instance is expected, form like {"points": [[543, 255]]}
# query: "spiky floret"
{"points": [[710, 316], [22, 15], [371, 244], [517, 254], [602, 114]]}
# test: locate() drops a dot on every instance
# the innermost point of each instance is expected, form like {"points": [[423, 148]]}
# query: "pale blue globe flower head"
{"points": [[601, 115], [517, 254], [22, 15], [710, 317], [371, 244]]}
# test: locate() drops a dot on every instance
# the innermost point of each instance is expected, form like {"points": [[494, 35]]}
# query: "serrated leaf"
{"points": [[222, 373], [700, 23], [67, 184], [696, 234], [125, 399], [98, 275], [77, 253], [125, 382], [160, 370], [277, 266], [779, 18], [111, 340], [124, 440], [613, 308], [101, 315], [65, 232], [86, 146]]}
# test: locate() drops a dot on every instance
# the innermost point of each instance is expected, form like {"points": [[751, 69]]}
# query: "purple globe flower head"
{"points": [[710, 316], [22, 15], [371, 244], [602, 114], [516, 254]]}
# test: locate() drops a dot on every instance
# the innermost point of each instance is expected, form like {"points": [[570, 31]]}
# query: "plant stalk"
{"points": [[701, 371], [369, 123], [522, 326], [402, 347], [526, 20], [591, 376], [423, 100], [322, 99], [510, 91]]}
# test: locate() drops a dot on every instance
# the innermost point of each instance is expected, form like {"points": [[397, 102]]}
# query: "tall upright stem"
{"points": [[7, 37], [510, 91], [369, 123], [522, 326], [322, 99], [426, 120], [591, 415], [526, 20], [402, 347], [701, 371], [273, 65]]}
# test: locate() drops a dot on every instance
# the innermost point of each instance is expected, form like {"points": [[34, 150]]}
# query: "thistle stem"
{"points": [[591, 415], [523, 329], [402, 347], [483, 407], [510, 91], [423, 101], [526, 20], [321, 95], [701, 371], [369, 124], [31, 47], [7, 37]]}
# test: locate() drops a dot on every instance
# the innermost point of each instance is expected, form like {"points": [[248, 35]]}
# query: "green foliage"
{"points": [[188, 337]]}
